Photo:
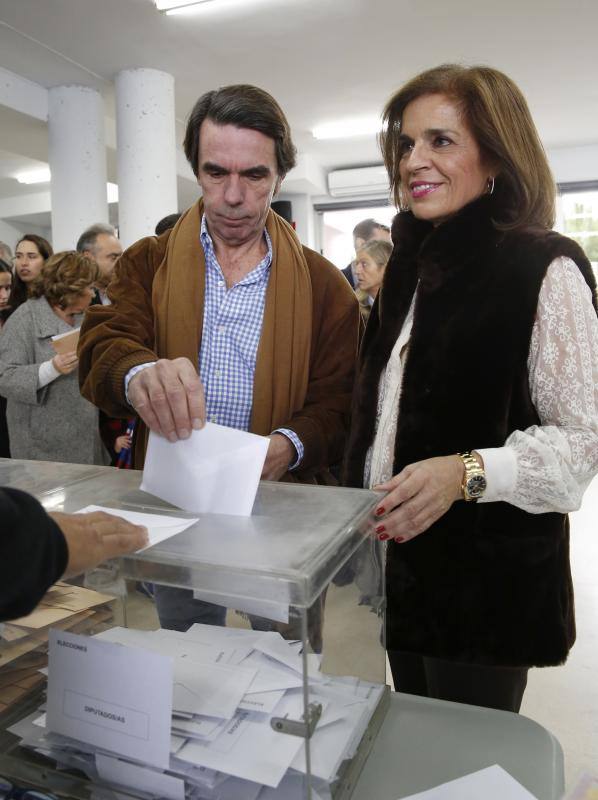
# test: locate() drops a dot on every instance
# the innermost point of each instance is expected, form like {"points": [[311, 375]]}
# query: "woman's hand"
{"points": [[65, 363], [418, 496]]}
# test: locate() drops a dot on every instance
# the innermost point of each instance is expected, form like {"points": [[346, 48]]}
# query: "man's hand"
{"points": [[169, 398], [96, 537], [281, 454]]}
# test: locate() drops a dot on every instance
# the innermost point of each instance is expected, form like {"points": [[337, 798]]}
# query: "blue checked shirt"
{"points": [[232, 327]]}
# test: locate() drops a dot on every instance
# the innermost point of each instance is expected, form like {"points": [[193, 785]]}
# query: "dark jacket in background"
{"points": [[348, 273]]}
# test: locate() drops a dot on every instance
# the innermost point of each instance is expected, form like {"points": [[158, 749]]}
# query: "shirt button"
{"points": [[212, 419], [218, 373], [220, 283], [221, 329]]}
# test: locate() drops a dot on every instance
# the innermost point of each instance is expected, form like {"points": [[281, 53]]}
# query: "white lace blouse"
{"points": [[546, 467]]}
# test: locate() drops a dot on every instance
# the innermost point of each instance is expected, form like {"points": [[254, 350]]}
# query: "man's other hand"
{"points": [[96, 537], [169, 398], [281, 454]]}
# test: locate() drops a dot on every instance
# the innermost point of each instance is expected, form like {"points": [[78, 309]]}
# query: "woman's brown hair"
{"points": [[498, 117], [64, 277]]}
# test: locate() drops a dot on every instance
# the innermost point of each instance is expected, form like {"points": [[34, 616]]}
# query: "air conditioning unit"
{"points": [[359, 182]]}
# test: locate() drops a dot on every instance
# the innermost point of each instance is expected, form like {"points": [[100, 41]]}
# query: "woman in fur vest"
{"points": [[475, 410]]}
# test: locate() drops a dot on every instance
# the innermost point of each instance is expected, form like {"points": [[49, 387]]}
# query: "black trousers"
{"points": [[492, 687]]}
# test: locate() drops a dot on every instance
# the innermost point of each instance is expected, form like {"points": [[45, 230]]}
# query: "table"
{"points": [[423, 743]]}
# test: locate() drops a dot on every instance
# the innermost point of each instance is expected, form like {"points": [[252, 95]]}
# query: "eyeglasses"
{"points": [[8, 791]]}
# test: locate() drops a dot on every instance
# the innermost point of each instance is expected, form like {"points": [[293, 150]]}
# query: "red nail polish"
{"points": [[383, 537], [399, 539], [380, 529], [380, 511]]}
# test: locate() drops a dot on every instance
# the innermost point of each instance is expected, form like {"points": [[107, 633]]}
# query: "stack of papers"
{"points": [[23, 642], [215, 739]]}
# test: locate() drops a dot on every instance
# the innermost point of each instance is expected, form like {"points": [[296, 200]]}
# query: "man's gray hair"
{"points": [[5, 252], [88, 238]]}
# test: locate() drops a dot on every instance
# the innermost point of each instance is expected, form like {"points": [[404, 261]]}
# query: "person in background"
{"points": [[37, 548], [370, 262], [117, 436], [47, 418], [5, 253], [363, 232], [6, 278], [476, 402], [31, 253], [100, 243], [228, 318], [167, 223]]}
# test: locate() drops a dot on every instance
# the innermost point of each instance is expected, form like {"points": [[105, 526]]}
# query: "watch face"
{"points": [[476, 485]]}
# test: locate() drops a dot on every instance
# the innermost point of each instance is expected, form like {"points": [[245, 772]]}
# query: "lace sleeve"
{"points": [[555, 461]]}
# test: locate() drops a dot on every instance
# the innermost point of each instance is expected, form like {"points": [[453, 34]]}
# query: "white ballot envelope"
{"points": [[216, 470], [112, 697], [159, 526], [492, 783], [133, 776]]}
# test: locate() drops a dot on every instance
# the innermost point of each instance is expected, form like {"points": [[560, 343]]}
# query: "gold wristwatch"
{"points": [[473, 485]]}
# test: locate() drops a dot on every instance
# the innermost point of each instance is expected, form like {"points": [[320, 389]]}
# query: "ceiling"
{"points": [[322, 59]]}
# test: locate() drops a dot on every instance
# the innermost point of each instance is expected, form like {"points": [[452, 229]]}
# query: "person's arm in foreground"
{"points": [[37, 548]]}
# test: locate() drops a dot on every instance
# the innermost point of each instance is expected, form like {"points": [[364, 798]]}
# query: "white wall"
{"points": [[11, 232], [570, 164]]}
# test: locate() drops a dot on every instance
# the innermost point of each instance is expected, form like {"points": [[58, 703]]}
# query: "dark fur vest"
{"points": [[487, 583]]}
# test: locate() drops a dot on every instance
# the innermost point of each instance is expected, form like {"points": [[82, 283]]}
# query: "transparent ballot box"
{"points": [[239, 658]]}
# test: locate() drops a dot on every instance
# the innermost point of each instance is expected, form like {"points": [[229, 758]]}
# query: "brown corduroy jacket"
{"points": [[125, 334]]}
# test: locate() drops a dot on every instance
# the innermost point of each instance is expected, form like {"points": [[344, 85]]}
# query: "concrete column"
{"points": [[77, 157], [304, 218], [145, 133]]}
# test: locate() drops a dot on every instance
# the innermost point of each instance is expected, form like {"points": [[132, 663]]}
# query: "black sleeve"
{"points": [[33, 553]]}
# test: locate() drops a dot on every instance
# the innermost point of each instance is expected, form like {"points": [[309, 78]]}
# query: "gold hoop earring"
{"points": [[490, 185]]}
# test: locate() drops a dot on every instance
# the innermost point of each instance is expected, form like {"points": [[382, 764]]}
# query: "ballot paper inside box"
{"points": [[281, 702]]}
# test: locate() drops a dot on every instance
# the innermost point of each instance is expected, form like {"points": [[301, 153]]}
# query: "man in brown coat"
{"points": [[227, 317]]}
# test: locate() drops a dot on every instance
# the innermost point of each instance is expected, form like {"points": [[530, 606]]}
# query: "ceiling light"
{"points": [[43, 175], [176, 5], [347, 128], [34, 176]]}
